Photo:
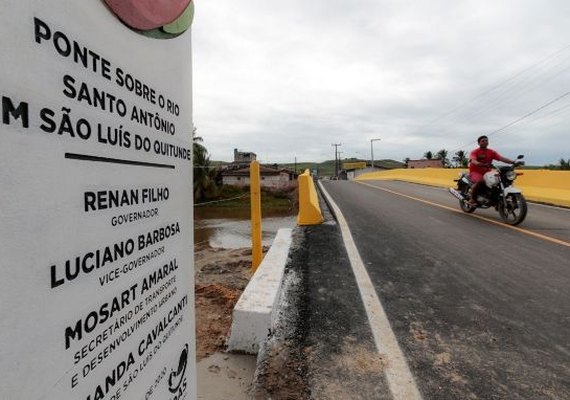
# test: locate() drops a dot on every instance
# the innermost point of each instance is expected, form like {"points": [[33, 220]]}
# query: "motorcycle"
{"points": [[497, 191]]}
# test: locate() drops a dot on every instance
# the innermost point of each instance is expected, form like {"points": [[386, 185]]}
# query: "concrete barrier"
{"points": [[255, 312], [309, 209], [544, 186]]}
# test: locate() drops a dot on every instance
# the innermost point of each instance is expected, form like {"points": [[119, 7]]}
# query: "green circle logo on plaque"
{"points": [[161, 19]]}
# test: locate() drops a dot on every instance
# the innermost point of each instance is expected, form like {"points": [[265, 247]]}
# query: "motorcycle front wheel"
{"points": [[513, 210]]}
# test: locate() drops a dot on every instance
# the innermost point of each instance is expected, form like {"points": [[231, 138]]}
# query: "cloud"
{"points": [[287, 79]]}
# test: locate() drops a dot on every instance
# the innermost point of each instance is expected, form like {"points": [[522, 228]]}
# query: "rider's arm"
{"points": [[473, 159], [497, 156], [506, 160]]}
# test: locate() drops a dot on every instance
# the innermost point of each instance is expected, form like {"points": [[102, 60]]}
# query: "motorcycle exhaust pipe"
{"points": [[456, 194]]}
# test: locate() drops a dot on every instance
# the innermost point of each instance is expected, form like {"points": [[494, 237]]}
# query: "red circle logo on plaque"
{"points": [[161, 19]]}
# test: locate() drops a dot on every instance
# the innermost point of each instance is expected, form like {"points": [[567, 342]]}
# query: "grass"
{"points": [[238, 197]]}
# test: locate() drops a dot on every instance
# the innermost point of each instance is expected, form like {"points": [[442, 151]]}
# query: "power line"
{"points": [[514, 90], [220, 201], [495, 87], [531, 113], [557, 111], [542, 107], [518, 91]]}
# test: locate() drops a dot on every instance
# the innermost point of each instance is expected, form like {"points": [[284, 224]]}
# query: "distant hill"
{"points": [[326, 168]]}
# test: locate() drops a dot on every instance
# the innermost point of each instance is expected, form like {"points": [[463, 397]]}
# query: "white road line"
{"points": [[400, 379]]}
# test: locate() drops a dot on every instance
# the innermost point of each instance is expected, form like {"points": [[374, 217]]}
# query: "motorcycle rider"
{"points": [[480, 162]]}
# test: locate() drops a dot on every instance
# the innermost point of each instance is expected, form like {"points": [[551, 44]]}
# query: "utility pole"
{"points": [[372, 152], [336, 158]]}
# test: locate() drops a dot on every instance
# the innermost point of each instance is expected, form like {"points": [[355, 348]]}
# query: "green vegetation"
{"points": [[208, 194], [562, 165], [203, 173], [238, 197], [460, 159], [442, 155]]}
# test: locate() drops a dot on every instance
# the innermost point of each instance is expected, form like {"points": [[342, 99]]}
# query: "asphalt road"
{"points": [[480, 310]]}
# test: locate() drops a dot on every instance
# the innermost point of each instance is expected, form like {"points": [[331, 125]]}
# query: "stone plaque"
{"points": [[96, 294]]}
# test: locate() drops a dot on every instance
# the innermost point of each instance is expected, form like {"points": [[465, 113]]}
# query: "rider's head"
{"points": [[483, 141]]}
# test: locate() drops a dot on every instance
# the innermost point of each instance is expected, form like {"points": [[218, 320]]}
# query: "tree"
{"points": [[406, 161], [204, 182], [198, 149], [460, 159], [442, 155], [562, 165], [428, 155]]}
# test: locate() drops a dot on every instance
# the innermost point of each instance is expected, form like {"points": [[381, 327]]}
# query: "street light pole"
{"points": [[372, 152]]}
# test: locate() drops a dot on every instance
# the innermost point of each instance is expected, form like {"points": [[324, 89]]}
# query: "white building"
{"points": [[270, 177]]}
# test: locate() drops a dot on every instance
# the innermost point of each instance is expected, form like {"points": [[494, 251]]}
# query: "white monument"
{"points": [[96, 242]]}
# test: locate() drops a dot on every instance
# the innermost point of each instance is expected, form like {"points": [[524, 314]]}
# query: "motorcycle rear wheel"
{"points": [[515, 209], [463, 204], [465, 207]]}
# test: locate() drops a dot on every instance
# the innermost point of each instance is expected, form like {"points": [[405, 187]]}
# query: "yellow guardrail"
{"points": [[309, 209], [354, 165], [544, 186]]}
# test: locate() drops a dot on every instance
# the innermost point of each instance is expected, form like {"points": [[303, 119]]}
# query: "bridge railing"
{"points": [[543, 186]]}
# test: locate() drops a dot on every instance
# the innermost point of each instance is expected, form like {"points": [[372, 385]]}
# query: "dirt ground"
{"points": [[221, 275]]}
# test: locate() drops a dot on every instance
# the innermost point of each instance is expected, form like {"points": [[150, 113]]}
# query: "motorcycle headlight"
{"points": [[511, 175]]}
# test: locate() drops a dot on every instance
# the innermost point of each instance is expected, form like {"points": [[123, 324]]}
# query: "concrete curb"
{"points": [[256, 310], [281, 364]]}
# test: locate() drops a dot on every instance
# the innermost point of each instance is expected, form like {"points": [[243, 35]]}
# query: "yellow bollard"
{"points": [[255, 191], [309, 209]]}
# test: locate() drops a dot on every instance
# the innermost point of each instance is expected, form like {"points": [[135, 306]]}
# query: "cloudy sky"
{"points": [[287, 79]]}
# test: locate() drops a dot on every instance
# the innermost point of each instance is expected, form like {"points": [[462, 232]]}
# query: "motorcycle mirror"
{"points": [[520, 156]]}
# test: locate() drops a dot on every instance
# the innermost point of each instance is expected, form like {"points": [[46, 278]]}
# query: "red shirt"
{"points": [[483, 156]]}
